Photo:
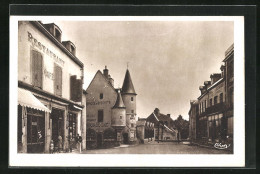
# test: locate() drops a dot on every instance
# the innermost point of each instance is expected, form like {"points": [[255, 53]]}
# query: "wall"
{"points": [[26, 43], [93, 103]]}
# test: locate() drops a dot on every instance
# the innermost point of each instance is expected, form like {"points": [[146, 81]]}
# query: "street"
{"points": [[157, 148]]}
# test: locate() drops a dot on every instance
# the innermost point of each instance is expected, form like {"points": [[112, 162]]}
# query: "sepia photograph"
{"points": [[92, 88]]}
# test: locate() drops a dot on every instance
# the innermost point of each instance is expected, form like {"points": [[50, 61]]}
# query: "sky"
{"points": [[167, 60]]}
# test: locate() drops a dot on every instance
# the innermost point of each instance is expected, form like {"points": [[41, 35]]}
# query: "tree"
{"points": [[182, 126]]}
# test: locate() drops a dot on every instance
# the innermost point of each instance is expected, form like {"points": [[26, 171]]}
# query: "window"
{"points": [[215, 100], [36, 69], [120, 117], [205, 104], [132, 111], [221, 98], [132, 98], [210, 102], [100, 116], [57, 80], [132, 125], [101, 96], [72, 125]]}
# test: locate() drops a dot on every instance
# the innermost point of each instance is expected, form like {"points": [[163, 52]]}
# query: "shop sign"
{"points": [[97, 124], [44, 49], [98, 103]]}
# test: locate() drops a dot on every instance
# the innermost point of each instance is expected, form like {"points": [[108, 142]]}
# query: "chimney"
{"points": [[111, 80], [169, 115], [215, 77], [222, 68], [105, 72], [156, 111], [207, 84], [202, 89]]}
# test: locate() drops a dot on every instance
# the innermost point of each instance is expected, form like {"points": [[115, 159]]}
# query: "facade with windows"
{"points": [[50, 79], [213, 122], [110, 112]]}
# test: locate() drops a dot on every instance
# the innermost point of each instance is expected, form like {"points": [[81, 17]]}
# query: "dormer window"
{"points": [[57, 34]]}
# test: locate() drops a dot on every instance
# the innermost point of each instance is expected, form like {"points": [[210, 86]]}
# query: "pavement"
{"points": [[157, 148]]}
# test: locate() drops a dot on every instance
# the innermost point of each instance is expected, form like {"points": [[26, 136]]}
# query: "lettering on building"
{"points": [[48, 74], [98, 103], [97, 124], [44, 49]]}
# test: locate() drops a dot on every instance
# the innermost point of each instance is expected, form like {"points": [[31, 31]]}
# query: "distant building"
{"points": [[144, 130], [50, 79], [164, 128], [211, 116], [110, 112]]}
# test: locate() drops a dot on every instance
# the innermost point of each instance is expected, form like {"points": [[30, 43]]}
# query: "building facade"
{"points": [[50, 79], [163, 125], [211, 116], [110, 112]]}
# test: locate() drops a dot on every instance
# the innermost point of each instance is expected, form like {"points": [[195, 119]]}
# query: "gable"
{"points": [[99, 85]]}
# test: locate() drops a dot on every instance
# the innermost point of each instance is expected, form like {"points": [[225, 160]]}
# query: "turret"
{"points": [[118, 112], [129, 95]]}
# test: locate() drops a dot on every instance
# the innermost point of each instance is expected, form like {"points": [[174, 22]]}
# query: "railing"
{"points": [[219, 107]]}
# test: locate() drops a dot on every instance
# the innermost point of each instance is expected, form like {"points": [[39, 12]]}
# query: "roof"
{"points": [[119, 101], [41, 27], [128, 87], [99, 72], [155, 118]]}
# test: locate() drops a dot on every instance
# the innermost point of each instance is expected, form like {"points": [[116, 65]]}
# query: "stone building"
{"points": [[110, 112], [50, 79], [144, 130], [211, 116], [164, 128]]}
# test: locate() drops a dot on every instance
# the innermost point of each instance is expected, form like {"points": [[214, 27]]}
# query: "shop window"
{"points": [[36, 69], [72, 125], [221, 98], [100, 116], [101, 95], [57, 80], [20, 133], [35, 131], [215, 100]]}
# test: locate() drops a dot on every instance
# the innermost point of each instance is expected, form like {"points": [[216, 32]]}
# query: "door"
{"points": [[125, 138], [35, 131], [99, 140], [57, 125]]}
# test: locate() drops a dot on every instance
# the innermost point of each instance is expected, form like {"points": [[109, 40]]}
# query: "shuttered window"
{"points": [[57, 80], [75, 89], [36, 69]]}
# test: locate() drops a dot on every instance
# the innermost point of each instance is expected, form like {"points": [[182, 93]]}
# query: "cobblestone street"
{"points": [[157, 148]]}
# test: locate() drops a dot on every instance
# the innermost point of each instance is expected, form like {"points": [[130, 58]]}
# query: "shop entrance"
{"points": [[125, 138], [35, 131], [99, 140], [57, 116]]}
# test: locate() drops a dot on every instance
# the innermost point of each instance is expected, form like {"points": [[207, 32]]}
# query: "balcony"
{"points": [[219, 107]]}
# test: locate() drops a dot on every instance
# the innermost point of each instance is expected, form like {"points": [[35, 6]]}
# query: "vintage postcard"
{"points": [[139, 91]]}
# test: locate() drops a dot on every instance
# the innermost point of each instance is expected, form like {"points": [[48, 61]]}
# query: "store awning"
{"points": [[26, 98]]}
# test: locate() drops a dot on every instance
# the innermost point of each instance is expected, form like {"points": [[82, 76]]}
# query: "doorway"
{"points": [[57, 116], [35, 131], [125, 138], [99, 140]]}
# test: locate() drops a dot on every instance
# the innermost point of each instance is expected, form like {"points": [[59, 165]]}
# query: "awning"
{"points": [[26, 98]]}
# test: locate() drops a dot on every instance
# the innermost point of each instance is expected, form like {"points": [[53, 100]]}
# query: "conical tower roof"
{"points": [[128, 87], [119, 101]]}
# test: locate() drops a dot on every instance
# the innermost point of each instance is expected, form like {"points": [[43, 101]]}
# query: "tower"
{"points": [[118, 117], [129, 99]]}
